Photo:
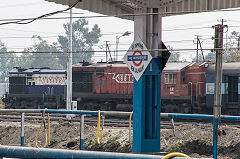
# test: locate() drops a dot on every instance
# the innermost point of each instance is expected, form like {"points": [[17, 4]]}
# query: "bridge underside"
{"points": [[169, 7]]}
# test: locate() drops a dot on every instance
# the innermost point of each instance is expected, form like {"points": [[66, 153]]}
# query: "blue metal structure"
{"points": [[146, 109]]}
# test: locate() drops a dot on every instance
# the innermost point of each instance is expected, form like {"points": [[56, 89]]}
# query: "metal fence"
{"points": [[21, 152]]}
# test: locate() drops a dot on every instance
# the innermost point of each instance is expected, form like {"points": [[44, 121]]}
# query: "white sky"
{"points": [[50, 29]]}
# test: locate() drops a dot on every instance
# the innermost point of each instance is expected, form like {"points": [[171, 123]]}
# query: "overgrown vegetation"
{"points": [[199, 146], [110, 145]]}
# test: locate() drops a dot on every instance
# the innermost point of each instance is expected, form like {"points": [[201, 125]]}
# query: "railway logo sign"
{"points": [[137, 58]]}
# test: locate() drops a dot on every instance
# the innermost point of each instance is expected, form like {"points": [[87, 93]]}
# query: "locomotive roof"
{"points": [[175, 67], [36, 71], [101, 64], [169, 66], [232, 68]]}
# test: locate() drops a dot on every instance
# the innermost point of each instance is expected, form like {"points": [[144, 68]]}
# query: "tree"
{"points": [[210, 57], [232, 53], [83, 40], [44, 54], [7, 62], [175, 56]]}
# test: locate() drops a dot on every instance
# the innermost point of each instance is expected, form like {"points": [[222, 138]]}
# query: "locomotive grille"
{"points": [[82, 81], [17, 85]]}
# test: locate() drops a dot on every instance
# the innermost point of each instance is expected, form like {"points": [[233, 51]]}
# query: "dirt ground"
{"points": [[192, 139]]}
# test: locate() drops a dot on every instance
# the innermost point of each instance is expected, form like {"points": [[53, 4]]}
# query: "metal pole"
{"points": [[22, 129], [217, 90], [197, 50], [69, 69], [82, 133], [106, 53], [117, 42]]}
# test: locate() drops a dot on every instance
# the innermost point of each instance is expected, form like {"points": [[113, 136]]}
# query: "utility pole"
{"points": [[199, 43], [108, 51], [201, 49], [218, 46], [116, 53], [69, 69], [197, 49], [117, 43]]}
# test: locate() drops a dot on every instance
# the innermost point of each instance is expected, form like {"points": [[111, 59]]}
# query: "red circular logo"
{"points": [[140, 62]]}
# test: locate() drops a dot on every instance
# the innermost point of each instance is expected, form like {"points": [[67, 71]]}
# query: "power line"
{"points": [[29, 37], [25, 37], [19, 21], [29, 31], [40, 17], [98, 51]]}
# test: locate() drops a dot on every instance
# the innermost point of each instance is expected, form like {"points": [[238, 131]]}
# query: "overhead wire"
{"points": [[40, 17], [29, 37], [45, 16], [28, 31], [98, 51]]}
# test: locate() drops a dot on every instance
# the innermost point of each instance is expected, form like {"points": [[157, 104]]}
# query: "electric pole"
{"points": [[199, 44], [108, 51], [69, 69], [218, 46], [197, 48]]}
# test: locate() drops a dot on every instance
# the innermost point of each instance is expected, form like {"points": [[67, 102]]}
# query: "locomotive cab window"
{"points": [[170, 78], [183, 76]]}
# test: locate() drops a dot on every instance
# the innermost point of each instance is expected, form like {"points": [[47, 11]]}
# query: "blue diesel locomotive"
{"points": [[35, 88]]}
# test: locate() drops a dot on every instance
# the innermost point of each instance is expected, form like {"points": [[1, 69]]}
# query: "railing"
{"points": [[82, 113], [29, 152]]}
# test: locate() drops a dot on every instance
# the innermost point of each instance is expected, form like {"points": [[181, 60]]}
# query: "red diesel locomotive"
{"points": [[102, 85], [183, 87], [109, 86]]}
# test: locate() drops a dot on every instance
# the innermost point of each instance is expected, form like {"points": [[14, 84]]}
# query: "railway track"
{"points": [[89, 120], [92, 120]]}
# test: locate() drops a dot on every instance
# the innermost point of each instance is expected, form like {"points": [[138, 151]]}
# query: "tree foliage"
{"points": [[232, 50], [211, 57], [232, 53], [7, 62], [83, 40], [10, 59], [43, 54], [175, 56]]}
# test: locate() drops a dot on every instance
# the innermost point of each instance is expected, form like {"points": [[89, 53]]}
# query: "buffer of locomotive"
{"points": [[147, 90]]}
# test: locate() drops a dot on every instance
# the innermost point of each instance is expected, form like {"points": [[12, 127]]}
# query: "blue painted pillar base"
{"points": [[215, 138], [81, 144], [146, 109], [22, 140]]}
